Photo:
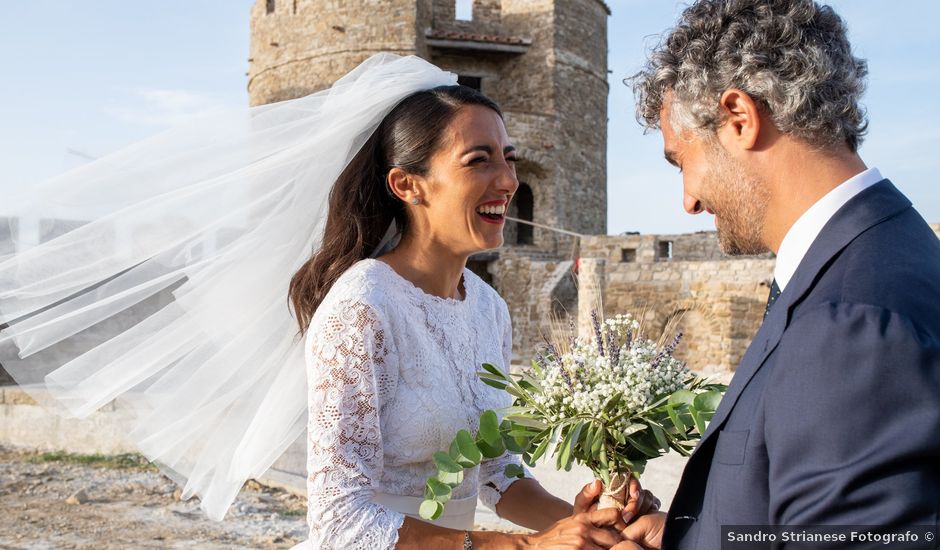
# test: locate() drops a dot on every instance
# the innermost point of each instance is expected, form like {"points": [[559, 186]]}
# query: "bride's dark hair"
{"points": [[361, 205]]}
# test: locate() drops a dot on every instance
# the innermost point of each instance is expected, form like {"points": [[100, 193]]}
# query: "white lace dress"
{"points": [[391, 374]]}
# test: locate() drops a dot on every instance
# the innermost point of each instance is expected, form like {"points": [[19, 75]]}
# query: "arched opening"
{"points": [[524, 203]]}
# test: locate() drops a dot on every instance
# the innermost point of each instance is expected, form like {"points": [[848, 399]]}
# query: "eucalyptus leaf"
{"points": [[491, 451], [514, 470], [682, 397], [445, 463], [468, 449], [452, 479], [676, 419], [697, 418], [431, 509], [437, 490], [707, 402], [489, 428]]}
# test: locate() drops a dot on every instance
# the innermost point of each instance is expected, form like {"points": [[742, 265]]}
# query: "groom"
{"points": [[833, 415]]}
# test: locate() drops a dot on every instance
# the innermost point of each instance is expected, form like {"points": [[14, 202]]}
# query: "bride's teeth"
{"points": [[494, 210]]}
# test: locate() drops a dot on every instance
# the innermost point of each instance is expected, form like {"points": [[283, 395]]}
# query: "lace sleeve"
{"points": [[351, 370], [493, 480]]}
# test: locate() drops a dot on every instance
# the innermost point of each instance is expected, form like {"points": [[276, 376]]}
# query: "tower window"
{"points": [[627, 255], [664, 251], [524, 202], [464, 10], [269, 6], [474, 82]]}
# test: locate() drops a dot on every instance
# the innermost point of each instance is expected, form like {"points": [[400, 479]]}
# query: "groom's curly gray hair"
{"points": [[791, 56]]}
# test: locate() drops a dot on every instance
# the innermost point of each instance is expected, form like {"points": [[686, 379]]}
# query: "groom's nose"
{"points": [[691, 204]]}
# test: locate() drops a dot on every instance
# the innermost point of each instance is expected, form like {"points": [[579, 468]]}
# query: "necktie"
{"points": [[774, 294]]}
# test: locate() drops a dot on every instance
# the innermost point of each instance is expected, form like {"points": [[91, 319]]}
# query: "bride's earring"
{"points": [[415, 201]]}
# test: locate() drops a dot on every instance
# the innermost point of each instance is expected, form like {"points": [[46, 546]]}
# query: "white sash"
{"points": [[458, 513]]}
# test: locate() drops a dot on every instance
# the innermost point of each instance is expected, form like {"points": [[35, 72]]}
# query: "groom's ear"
{"points": [[742, 121]]}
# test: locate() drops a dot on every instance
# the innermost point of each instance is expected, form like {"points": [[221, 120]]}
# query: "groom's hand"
{"points": [[646, 533], [639, 501], [587, 499]]}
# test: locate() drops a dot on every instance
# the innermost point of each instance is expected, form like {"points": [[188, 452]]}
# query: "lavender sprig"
{"points": [[667, 350], [614, 352], [597, 332]]}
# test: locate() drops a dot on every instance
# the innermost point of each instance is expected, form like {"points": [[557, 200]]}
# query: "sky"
{"points": [[81, 79]]}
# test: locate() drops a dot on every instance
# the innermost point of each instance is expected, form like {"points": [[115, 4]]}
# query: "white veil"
{"points": [[183, 271]]}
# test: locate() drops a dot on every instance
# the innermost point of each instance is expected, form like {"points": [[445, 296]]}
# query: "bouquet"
{"points": [[611, 402]]}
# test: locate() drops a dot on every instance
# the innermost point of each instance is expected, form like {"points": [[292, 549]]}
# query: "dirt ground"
{"points": [[129, 504]]}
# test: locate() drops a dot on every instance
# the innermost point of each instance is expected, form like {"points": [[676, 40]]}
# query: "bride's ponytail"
{"points": [[361, 206]]}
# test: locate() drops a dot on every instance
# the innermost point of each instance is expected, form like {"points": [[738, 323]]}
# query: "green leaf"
{"points": [[489, 428], [491, 451], [660, 434], [468, 449], [431, 509], [514, 470], [605, 466], [445, 463], [589, 435], [536, 368], [633, 428], [611, 403], [676, 419], [571, 440], [699, 421], [542, 446], [605, 476], [600, 438], [492, 369], [437, 490], [642, 447], [529, 386], [493, 383], [451, 479], [707, 402], [527, 421], [682, 397]]}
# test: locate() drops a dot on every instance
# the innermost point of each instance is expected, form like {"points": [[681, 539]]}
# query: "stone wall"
{"points": [[303, 46], [717, 305]]}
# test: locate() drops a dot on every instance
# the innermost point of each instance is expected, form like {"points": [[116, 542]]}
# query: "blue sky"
{"points": [[84, 78]]}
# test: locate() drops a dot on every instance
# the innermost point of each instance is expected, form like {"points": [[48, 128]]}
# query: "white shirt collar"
{"points": [[802, 234]]}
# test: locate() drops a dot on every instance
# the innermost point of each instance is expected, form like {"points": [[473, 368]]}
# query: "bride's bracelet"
{"points": [[467, 543]]}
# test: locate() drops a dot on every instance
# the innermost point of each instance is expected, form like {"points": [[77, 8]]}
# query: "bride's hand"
{"points": [[640, 502], [595, 530]]}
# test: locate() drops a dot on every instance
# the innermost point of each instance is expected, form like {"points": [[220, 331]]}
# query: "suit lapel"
{"points": [[867, 209]]}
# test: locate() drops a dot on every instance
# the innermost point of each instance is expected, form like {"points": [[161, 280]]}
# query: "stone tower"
{"points": [[543, 61]]}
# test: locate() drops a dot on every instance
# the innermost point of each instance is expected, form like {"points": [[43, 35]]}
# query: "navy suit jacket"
{"points": [[833, 415]]}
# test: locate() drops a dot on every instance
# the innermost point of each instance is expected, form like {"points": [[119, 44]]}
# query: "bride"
{"points": [[214, 217]]}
